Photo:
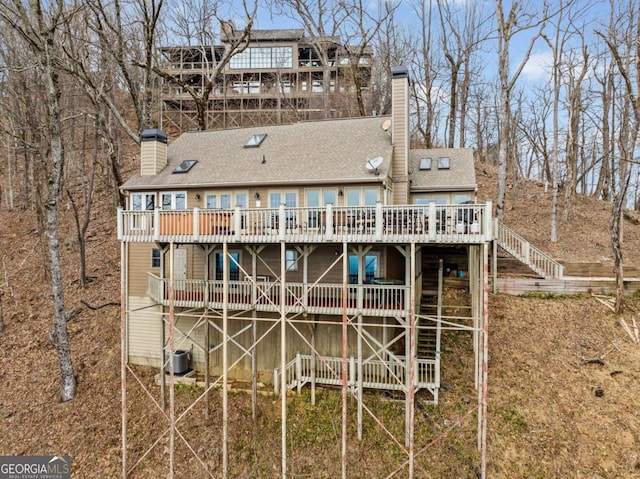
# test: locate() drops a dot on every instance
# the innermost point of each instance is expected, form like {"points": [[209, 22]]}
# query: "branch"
{"points": [[96, 308]]}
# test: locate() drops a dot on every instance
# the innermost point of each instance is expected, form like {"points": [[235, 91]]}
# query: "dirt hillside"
{"points": [[545, 419]]}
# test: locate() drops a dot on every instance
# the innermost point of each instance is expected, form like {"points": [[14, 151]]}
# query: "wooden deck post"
{"points": [[196, 223]]}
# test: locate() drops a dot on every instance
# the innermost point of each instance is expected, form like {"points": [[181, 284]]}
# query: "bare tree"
{"points": [[322, 20], [462, 32], [391, 46], [127, 32], [86, 187], [428, 72], [360, 28], [39, 25], [516, 21], [196, 22], [623, 40], [576, 75]]}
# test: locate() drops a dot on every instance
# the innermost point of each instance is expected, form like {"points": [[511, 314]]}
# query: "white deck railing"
{"points": [[522, 250], [376, 374], [322, 298], [463, 223]]}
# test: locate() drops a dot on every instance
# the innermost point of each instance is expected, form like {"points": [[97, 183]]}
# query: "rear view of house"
{"points": [[274, 254]]}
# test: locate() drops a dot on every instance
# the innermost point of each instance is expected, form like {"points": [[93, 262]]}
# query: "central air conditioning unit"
{"points": [[180, 361]]}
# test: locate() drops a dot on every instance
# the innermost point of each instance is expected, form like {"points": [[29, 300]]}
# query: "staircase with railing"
{"points": [[526, 253], [376, 374]]}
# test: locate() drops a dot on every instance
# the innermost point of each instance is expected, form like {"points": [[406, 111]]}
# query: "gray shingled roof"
{"points": [[461, 174], [269, 35], [328, 151]]}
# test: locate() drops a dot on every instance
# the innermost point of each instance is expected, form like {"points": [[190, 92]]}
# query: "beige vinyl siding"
{"points": [[153, 157], [139, 265], [144, 332], [328, 342]]}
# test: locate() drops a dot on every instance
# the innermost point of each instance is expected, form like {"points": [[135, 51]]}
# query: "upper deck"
{"points": [[443, 224]]}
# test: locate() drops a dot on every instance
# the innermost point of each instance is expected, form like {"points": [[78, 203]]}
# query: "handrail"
{"points": [[459, 223], [376, 374], [524, 251], [324, 298]]}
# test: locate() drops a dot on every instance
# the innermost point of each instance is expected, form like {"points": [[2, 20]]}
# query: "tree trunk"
{"points": [[616, 244], [56, 157]]}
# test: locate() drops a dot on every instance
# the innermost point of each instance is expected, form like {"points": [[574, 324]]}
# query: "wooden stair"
{"points": [[519, 248], [426, 342]]}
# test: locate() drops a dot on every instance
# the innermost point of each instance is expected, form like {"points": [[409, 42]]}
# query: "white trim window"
{"points": [[362, 196], [141, 202], [173, 200], [291, 259], [226, 200]]}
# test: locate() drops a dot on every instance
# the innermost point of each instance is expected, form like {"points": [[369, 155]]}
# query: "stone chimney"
{"points": [[400, 133], [153, 152]]}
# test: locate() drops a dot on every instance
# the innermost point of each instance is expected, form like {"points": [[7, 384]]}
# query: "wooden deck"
{"points": [[448, 224], [367, 299]]}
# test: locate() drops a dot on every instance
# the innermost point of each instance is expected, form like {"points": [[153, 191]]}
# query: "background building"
{"points": [[279, 78]]}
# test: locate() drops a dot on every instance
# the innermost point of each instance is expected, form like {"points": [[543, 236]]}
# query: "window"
{"points": [[353, 196], [234, 266], [425, 164], [155, 258], [370, 196], [142, 201], [443, 163], [291, 259], [438, 200], [211, 202], [461, 198], [358, 196], [371, 268], [185, 166], [255, 141], [263, 57], [174, 200]]}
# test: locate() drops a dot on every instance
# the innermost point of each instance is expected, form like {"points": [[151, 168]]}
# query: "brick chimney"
{"points": [[153, 152], [400, 133]]}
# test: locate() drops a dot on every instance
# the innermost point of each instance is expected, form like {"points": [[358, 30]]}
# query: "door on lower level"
{"points": [[179, 268]]}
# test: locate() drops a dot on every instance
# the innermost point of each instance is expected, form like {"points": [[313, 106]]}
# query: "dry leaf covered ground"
{"points": [[545, 419]]}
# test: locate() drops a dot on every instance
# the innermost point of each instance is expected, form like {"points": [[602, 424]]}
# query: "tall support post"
{"points": [[412, 361], [475, 288], [407, 351], [485, 361], [225, 360], [254, 339], [494, 260], [163, 338], [172, 404], [345, 269], [207, 336], [439, 324], [123, 351], [283, 353], [305, 281], [360, 379]]}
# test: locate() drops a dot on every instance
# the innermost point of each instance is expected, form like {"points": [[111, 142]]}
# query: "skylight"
{"points": [[185, 166], [444, 163], [425, 163], [255, 140]]}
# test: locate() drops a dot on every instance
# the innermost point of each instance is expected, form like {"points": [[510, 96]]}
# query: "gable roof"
{"points": [[460, 176], [318, 152]]}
